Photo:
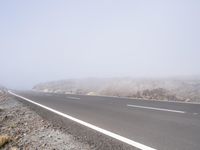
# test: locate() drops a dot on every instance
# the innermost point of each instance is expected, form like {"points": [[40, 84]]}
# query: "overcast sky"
{"points": [[44, 40]]}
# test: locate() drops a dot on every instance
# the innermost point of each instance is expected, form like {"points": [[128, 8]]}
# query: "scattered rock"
{"points": [[14, 148], [29, 131]]}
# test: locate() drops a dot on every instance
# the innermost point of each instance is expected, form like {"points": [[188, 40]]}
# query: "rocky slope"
{"points": [[174, 89], [23, 129]]}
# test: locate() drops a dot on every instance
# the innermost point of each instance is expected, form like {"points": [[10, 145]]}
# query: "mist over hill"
{"points": [[171, 89]]}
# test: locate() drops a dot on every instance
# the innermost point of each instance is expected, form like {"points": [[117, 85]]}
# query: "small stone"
{"points": [[13, 148]]}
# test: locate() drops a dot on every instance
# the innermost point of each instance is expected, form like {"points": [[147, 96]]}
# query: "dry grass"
{"points": [[4, 139]]}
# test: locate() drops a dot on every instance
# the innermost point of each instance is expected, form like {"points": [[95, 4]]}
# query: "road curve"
{"points": [[154, 124]]}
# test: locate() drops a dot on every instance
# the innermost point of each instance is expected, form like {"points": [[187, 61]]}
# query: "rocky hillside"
{"points": [[174, 89]]}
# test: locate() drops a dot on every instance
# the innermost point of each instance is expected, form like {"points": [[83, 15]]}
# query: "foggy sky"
{"points": [[51, 40]]}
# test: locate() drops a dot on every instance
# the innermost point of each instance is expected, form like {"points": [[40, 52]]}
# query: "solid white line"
{"points": [[73, 97], [106, 132], [154, 108]]}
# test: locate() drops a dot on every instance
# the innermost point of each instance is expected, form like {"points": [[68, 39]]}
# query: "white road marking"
{"points": [[106, 132], [73, 97], [195, 113], [154, 108]]}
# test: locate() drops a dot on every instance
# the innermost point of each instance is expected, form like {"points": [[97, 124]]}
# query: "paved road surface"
{"points": [[160, 125]]}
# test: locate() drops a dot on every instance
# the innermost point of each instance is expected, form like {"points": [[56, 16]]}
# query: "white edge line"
{"points": [[154, 108], [106, 132]]}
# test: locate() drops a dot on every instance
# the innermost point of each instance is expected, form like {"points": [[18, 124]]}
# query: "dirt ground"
{"points": [[23, 129]]}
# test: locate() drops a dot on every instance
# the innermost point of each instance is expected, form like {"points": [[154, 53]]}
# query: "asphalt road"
{"points": [[160, 125]]}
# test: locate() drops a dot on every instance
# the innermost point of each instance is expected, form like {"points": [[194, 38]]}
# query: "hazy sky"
{"points": [[43, 40]]}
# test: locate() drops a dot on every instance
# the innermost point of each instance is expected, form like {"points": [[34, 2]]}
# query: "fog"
{"points": [[51, 40]]}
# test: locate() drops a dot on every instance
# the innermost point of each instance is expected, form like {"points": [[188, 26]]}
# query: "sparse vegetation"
{"points": [[4, 139], [174, 89]]}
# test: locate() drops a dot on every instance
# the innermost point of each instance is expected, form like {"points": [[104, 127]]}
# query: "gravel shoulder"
{"points": [[28, 131]]}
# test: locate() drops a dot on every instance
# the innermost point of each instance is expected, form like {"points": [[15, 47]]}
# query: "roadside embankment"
{"points": [[166, 89], [23, 129]]}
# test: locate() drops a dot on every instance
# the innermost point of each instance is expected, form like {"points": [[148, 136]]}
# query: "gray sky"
{"points": [[59, 39]]}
